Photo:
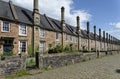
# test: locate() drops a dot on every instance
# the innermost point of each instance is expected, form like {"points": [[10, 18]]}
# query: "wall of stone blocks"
{"points": [[11, 65]]}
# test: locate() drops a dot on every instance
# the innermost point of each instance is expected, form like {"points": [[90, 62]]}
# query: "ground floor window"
{"points": [[22, 46], [42, 46]]}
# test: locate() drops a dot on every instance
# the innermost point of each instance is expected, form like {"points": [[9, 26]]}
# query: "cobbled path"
{"points": [[103, 68]]}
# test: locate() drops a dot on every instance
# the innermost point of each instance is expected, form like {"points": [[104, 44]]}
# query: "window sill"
{"points": [[5, 31], [22, 35], [57, 39], [42, 37]]}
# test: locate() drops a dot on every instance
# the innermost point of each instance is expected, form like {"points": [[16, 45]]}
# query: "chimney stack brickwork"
{"points": [[35, 28], [100, 46], [63, 25], [95, 38], [88, 35], [78, 31], [104, 40]]}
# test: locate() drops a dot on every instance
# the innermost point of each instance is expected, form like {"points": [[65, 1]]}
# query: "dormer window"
{"points": [[22, 29], [5, 26]]}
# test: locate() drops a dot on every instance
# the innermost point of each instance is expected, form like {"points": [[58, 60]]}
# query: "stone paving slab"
{"points": [[103, 68]]}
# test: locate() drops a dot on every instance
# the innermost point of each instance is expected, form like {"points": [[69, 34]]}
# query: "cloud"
{"points": [[117, 25], [114, 31], [52, 9]]}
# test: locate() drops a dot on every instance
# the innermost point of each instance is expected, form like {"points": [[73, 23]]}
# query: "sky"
{"points": [[105, 14]]}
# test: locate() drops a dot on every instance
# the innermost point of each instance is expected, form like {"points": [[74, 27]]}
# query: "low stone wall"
{"points": [[63, 60], [59, 60], [11, 65]]}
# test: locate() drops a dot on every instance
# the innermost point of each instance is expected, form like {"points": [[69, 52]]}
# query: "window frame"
{"points": [[20, 46], [2, 26], [57, 36], [42, 34], [71, 38], [44, 46], [66, 37], [20, 30]]}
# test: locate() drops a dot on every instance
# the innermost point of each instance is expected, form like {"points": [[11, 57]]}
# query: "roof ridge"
{"points": [[49, 22]]}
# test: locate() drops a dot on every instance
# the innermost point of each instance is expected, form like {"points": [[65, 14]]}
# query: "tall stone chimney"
{"points": [[63, 24], [78, 31], [88, 35], [100, 46], [104, 40], [36, 23], [95, 38], [107, 41], [112, 42]]}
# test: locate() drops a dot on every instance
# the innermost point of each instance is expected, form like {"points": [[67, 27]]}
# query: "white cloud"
{"points": [[52, 9], [117, 25]]}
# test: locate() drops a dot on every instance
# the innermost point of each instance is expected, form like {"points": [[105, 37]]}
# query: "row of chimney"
{"points": [[36, 11]]}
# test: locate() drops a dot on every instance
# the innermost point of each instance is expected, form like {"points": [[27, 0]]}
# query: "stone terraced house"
{"points": [[19, 27]]}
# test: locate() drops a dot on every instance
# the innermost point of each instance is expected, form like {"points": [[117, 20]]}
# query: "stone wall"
{"points": [[59, 60], [12, 64]]}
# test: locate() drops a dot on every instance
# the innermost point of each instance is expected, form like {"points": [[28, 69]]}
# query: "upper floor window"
{"points": [[71, 38], [22, 29], [66, 37], [57, 35], [5, 26], [42, 33]]}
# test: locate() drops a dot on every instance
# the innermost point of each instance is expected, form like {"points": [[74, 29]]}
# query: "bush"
{"points": [[57, 49]]}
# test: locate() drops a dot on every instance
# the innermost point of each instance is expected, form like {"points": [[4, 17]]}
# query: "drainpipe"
{"points": [[95, 39], [78, 31]]}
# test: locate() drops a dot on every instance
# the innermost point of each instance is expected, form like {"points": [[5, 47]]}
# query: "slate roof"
{"points": [[25, 16]]}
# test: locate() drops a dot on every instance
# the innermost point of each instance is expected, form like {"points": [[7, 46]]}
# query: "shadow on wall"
{"points": [[118, 71]]}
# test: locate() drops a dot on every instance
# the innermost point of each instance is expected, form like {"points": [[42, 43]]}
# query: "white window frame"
{"points": [[2, 26], [66, 37], [20, 30], [71, 39], [42, 47], [42, 34], [76, 40], [57, 33], [19, 46]]}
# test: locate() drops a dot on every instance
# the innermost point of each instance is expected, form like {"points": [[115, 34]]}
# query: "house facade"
{"points": [[17, 34]]}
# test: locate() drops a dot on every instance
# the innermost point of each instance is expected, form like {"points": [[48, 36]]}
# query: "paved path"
{"points": [[103, 68]]}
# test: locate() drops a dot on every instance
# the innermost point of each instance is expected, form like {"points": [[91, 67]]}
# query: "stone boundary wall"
{"points": [[58, 60], [63, 60], [12, 64]]}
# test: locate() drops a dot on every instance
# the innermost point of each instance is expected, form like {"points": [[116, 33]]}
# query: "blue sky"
{"points": [[105, 14]]}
